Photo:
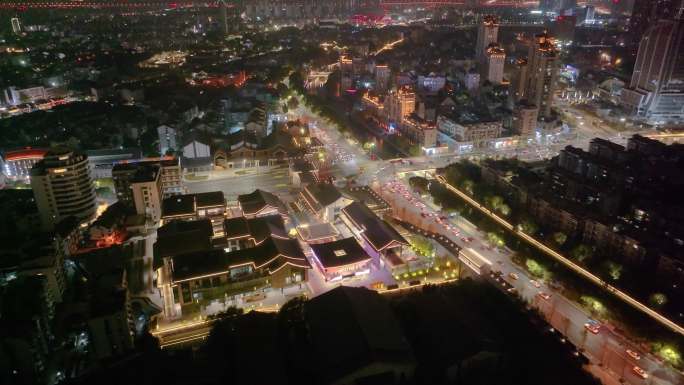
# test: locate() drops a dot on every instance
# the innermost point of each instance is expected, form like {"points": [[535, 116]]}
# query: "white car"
{"points": [[633, 354], [535, 283], [640, 372]]}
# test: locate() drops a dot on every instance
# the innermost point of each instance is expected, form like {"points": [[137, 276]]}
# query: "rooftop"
{"points": [[146, 173], [342, 252], [376, 231], [258, 228], [272, 254], [259, 200], [178, 237], [319, 195], [178, 205]]}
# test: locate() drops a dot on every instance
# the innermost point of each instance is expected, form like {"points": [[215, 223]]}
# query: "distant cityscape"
{"points": [[342, 191]]}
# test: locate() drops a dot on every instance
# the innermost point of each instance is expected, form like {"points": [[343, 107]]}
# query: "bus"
{"points": [[474, 260]]}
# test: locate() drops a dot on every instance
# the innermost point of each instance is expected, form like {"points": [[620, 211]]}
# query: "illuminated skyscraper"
{"points": [[542, 73], [487, 34], [63, 187], [656, 91], [16, 25], [494, 63], [519, 82]]}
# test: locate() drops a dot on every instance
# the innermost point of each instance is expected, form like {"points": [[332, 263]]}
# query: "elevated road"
{"points": [[565, 261]]}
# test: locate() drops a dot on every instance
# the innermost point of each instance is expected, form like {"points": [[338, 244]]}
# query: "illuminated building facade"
{"points": [[399, 104], [656, 91], [63, 187], [17, 164], [542, 74], [341, 258], [487, 33], [495, 58]]}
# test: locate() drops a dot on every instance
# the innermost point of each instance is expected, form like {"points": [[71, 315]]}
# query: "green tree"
{"points": [[657, 300], [560, 238], [419, 183], [581, 252], [528, 226]]}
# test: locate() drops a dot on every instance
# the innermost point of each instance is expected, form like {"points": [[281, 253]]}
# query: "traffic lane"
{"points": [[556, 306], [244, 184], [568, 319]]}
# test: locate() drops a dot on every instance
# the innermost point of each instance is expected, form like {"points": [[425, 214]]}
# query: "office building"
{"points": [[525, 118], [495, 58], [519, 83], [419, 132], [16, 25], [399, 104], [382, 77], [63, 187], [480, 131], [171, 183], [346, 73], [487, 34], [167, 139], [472, 80], [146, 191], [589, 14], [102, 161], [656, 91], [543, 67]]}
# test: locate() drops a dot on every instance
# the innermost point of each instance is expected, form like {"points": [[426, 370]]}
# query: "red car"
{"points": [[593, 326]]}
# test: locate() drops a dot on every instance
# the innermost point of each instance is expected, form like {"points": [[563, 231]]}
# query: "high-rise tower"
{"points": [[487, 34], [63, 187], [542, 73], [656, 91]]}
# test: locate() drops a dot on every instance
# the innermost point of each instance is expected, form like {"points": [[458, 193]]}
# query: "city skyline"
{"points": [[344, 191]]}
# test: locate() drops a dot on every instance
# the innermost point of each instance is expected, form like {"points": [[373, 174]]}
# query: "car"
{"points": [[593, 326], [535, 283], [512, 290], [544, 296], [470, 239], [513, 275], [640, 372], [633, 354]]}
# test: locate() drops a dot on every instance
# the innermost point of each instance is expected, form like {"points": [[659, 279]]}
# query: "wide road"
{"points": [[605, 350], [233, 183]]}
